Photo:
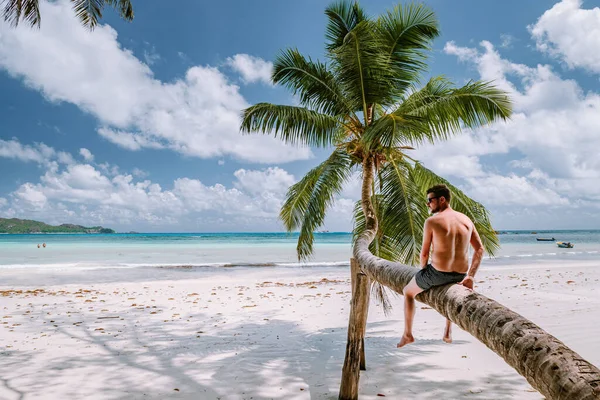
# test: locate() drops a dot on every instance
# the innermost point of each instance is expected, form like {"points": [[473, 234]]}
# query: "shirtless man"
{"points": [[449, 233]]}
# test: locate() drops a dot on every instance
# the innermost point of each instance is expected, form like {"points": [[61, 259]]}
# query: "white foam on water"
{"points": [[93, 266]]}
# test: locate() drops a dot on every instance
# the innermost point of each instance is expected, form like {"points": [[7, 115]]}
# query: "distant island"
{"points": [[15, 225]]}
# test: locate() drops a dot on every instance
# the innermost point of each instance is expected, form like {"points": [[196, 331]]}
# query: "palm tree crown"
{"points": [[366, 103], [88, 11]]}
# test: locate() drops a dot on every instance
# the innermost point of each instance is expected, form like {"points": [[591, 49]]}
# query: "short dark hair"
{"points": [[440, 191]]}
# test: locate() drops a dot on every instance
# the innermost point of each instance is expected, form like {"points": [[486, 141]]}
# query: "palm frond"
{"points": [[448, 110], [439, 110], [404, 214], [315, 85], [308, 200], [294, 125], [408, 31], [394, 130], [401, 213], [124, 7], [342, 16], [27, 10], [364, 68], [460, 202], [89, 12]]}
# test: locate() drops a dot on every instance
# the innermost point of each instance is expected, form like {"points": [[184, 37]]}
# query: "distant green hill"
{"points": [[15, 225]]}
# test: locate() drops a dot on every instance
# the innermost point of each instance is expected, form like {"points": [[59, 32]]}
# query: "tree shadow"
{"points": [[257, 360], [10, 361]]}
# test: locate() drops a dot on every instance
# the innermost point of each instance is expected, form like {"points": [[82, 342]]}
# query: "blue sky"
{"points": [[134, 125]]}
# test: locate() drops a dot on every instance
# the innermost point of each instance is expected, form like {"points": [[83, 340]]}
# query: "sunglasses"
{"points": [[430, 199]]}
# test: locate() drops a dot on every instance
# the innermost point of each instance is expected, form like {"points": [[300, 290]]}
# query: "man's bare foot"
{"points": [[405, 340], [448, 333]]}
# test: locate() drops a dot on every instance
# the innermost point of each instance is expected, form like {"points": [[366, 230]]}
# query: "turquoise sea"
{"points": [[246, 249]]}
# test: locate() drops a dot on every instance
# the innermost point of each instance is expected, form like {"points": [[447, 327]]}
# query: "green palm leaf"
{"points": [[447, 110], [315, 85], [28, 10], [89, 12], [439, 110], [460, 202], [342, 16], [294, 125], [408, 30], [364, 68], [124, 7], [307, 201], [401, 212]]}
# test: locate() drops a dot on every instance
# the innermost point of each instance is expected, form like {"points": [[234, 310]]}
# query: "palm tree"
{"points": [[366, 102], [88, 11]]}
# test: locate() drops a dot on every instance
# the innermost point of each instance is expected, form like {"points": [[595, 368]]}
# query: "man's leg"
{"points": [[410, 291], [448, 332]]}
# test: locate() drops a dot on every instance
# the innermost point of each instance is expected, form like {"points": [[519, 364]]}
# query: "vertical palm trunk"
{"points": [[356, 334], [355, 347], [367, 204]]}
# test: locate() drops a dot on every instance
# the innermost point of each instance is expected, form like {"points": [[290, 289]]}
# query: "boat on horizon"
{"points": [[565, 245], [545, 239]]}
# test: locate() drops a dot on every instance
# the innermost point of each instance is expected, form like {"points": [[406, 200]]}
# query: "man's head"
{"points": [[438, 198]]}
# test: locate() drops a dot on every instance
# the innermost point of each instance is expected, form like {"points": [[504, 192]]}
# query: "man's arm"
{"points": [[477, 253], [427, 238]]}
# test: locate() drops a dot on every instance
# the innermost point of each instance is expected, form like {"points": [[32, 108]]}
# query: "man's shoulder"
{"points": [[462, 216], [432, 218]]}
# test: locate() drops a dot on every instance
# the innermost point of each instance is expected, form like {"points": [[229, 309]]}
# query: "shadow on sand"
{"points": [[271, 359]]}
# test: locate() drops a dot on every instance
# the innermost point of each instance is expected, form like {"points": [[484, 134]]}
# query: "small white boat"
{"points": [[565, 245]]}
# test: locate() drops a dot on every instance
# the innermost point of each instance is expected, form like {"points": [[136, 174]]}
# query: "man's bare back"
{"points": [[451, 235], [444, 256]]}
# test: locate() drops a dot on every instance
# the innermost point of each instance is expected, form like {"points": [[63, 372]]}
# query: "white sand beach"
{"points": [[263, 333]]}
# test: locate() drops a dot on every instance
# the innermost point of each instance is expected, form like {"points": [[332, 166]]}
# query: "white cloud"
{"points": [[39, 153], [513, 190], [524, 163], [83, 193], [197, 115], [507, 40], [150, 54], [138, 173], [31, 195], [86, 154], [102, 195], [551, 137], [129, 141], [252, 69], [270, 180], [571, 34], [13, 149]]}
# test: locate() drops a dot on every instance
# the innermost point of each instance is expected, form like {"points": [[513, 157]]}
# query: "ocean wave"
{"points": [[91, 265]]}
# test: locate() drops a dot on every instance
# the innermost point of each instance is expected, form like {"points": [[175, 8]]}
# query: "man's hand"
{"points": [[467, 282]]}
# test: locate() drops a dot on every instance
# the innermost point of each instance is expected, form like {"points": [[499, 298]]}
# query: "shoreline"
{"points": [[269, 332]]}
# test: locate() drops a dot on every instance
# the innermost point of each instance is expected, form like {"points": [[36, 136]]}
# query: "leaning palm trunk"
{"points": [[549, 365], [366, 103]]}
